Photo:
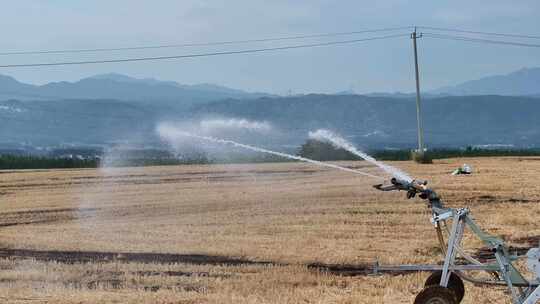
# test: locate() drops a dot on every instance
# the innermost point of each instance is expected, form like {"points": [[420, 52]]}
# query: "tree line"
{"points": [[311, 149]]}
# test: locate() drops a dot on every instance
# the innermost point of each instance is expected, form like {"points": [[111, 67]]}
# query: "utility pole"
{"points": [[420, 151]]}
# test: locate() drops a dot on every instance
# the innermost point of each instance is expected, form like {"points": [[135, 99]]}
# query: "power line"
{"points": [[479, 40], [479, 33], [205, 43], [246, 51]]}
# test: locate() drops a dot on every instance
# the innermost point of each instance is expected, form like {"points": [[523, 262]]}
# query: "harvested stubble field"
{"points": [[265, 233]]}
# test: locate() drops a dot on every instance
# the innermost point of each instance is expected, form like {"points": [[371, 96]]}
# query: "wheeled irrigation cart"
{"points": [[445, 285]]}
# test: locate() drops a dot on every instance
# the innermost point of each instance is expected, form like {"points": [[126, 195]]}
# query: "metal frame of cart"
{"points": [[445, 285]]}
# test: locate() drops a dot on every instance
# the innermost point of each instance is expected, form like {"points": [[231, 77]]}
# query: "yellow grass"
{"points": [[266, 222]]}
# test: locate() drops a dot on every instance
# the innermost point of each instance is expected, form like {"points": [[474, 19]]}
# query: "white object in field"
{"points": [[465, 169], [533, 261]]}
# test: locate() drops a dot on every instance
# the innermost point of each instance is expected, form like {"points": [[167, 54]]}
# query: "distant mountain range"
{"points": [[114, 108], [146, 91], [371, 122], [73, 121], [391, 122], [524, 82]]}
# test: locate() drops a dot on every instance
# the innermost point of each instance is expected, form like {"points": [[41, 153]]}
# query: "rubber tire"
{"points": [[436, 294], [455, 283]]}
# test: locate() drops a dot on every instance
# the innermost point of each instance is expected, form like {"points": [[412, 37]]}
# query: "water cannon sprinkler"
{"points": [[445, 285], [412, 188]]}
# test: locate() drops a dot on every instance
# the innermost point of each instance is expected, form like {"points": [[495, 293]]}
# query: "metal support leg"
{"points": [[505, 271], [455, 237], [534, 297], [438, 229]]}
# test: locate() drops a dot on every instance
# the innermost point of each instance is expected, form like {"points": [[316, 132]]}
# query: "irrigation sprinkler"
{"points": [[445, 285]]}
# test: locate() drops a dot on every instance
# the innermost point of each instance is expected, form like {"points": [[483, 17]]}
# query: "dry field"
{"points": [[265, 233]]}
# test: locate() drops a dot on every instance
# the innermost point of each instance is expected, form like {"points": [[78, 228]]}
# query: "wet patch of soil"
{"points": [[72, 257], [39, 216]]}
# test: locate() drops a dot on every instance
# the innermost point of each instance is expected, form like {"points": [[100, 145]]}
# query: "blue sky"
{"points": [[364, 67]]}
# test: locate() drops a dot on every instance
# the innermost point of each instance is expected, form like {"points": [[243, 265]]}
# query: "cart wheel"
{"points": [[436, 294], [455, 283]]}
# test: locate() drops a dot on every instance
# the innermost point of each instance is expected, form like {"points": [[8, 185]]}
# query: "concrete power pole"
{"points": [[421, 148]]}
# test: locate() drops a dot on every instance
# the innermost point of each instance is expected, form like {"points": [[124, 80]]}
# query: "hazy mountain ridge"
{"points": [[524, 82], [368, 121], [122, 87], [73, 121], [114, 107], [379, 121]]}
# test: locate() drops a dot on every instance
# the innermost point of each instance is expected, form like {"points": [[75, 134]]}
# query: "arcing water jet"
{"points": [[172, 134], [340, 142]]}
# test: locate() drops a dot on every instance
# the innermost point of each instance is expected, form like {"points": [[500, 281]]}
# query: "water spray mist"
{"points": [[171, 134], [340, 142]]}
